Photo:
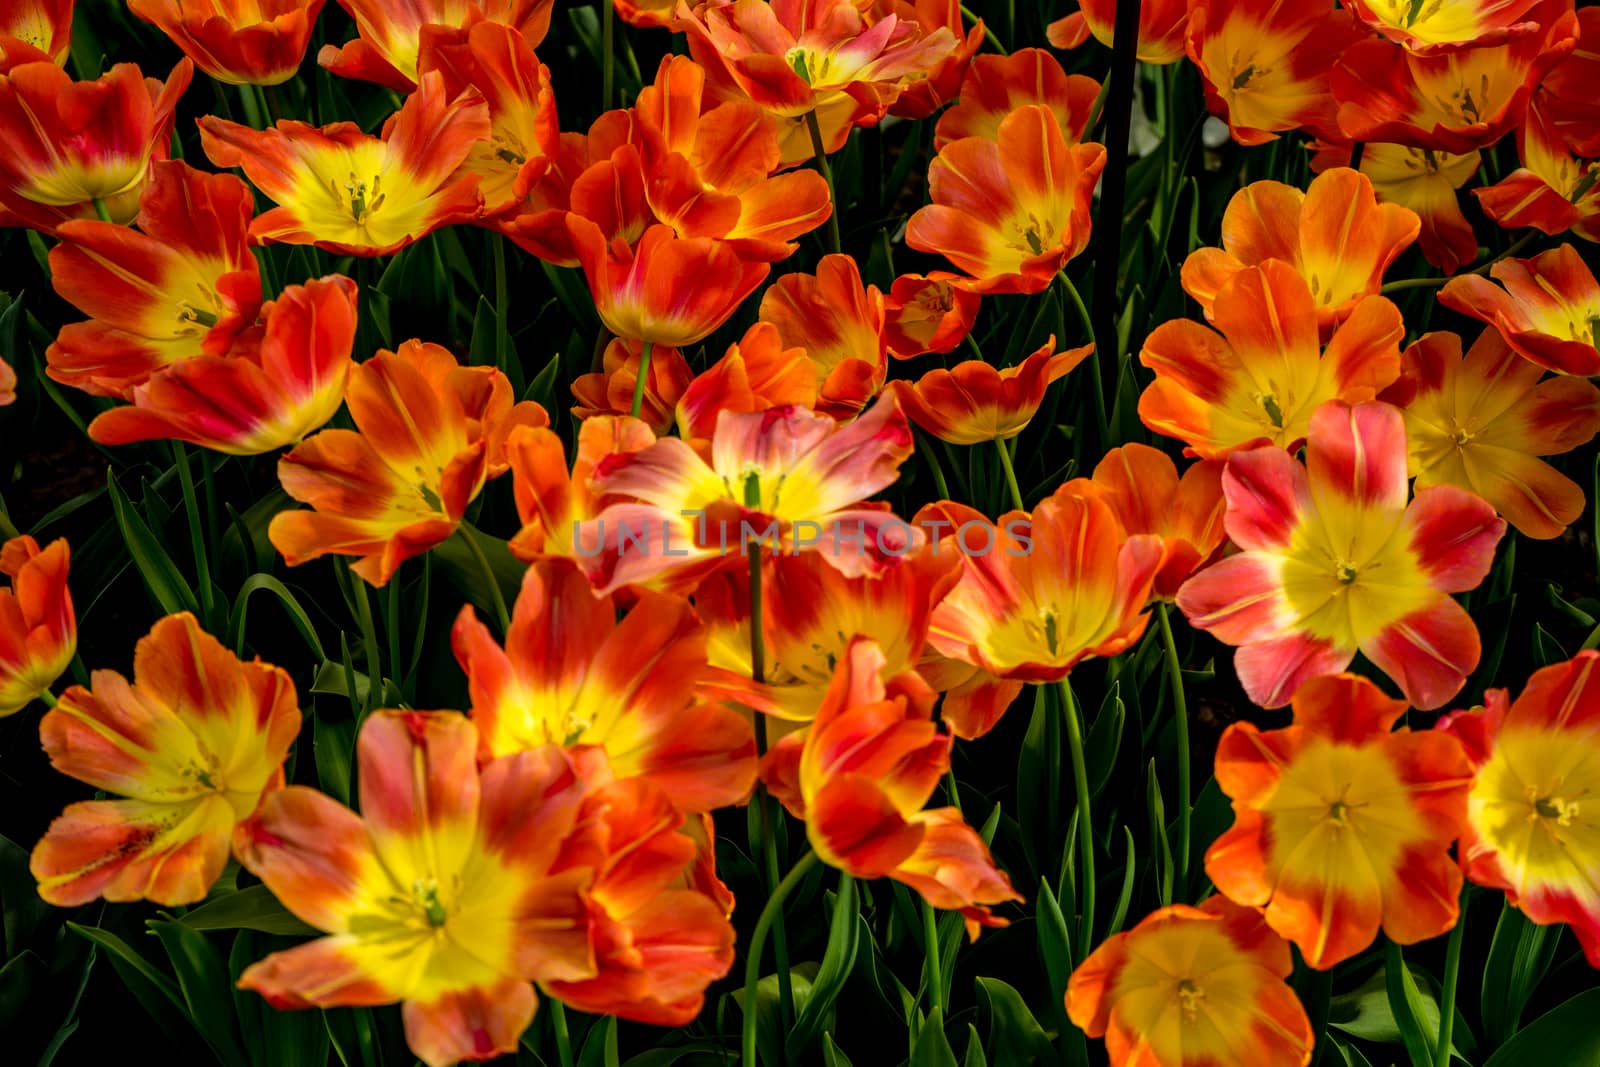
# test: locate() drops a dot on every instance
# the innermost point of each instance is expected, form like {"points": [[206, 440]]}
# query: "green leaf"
{"points": [[1015, 1037], [1119, 913], [1409, 1009], [1567, 1035], [1105, 736], [297, 614], [838, 959], [160, 574], [933, 1048], [831, 1056], [19, 897], [974, 1056], [1039, 783], [332, 744], [600, 1047], [1520, 954], [206, 988], [254, 908], [120, 950], [18, 978]]}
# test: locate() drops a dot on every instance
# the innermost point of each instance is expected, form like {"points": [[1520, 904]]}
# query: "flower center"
{"points": [[1559, 809], [355, 193], [1189, 997], [1344, 571], [425, 895]]}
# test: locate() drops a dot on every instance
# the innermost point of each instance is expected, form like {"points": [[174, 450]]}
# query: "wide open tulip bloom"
{"points": [[1341, 824], [927, 313], [1266, 63], [1333, 562], [429, 433], [353, 194], [669, 290], [1261, 379], [1192, 987], [786, 480], [1443, 27], [859, 777], [839, 323], [390, 35], [1012, 211], [998, 85], [1531, 827], [977, 402], [1482, 422], [38, 627], [1452, 101], [444, 893], [1336, 234], [551, 500], [1143, 488], [278, 383], [1162, 25], [1549, 310], [184, 284], [71, 143], [36, 26], [241, 42], [187, 749], [1424, 181], [571, 673]]}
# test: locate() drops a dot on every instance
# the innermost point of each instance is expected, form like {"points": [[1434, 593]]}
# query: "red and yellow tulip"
{"points": [[1548, 312], [609, 391], [1424, 29], [389, 44], [1261, 379], [1162, 26], [1530, 827], [551, 500], [187, 749], [353, 194], [1333, 561], [41, 29], [757, 373], [998, 85], [1424, 181], [839, 322], [977, 402], [38, 627], [1342, 825], [927, 313], [241, 42], [1142, 486], [1553, 191]]}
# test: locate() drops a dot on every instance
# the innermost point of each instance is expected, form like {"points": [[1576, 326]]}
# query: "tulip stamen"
{"points": [[1561, 810], [1189, 997], [1345, 572], [425, 893]]}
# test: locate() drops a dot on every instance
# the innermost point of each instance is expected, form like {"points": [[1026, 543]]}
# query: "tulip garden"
{"points": [[718, 533]]}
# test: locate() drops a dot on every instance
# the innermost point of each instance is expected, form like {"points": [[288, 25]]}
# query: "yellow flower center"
{"points": [[1189, 997], [1032, 234], [425, 895], [355, 192], [1562, 810]]}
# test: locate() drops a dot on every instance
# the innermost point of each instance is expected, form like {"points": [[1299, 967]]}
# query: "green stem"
{"points": [[771, 915], [197, 536], [369, 644], [939, 484], [826, 170], [1447, 996], [1434, 283], [930, 947], [502, 322], [645, 352], [1180, 712], [950, 784], [608, 45], [100, 210], [252, 107], [391, 625], [470, 535], [1011, 473], [1080, 782], [558, 1023], [48, 697], [1097, 108], [1102, 420], [1318, 1000]]}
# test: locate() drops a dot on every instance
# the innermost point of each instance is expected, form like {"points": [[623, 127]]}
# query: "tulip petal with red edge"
{"points": [[474, 1024]]}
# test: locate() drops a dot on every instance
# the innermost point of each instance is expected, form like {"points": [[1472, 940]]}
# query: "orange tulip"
{"points": [[1424, 181], [429, 433], [942, 82], [1566, 94], [352, 194], [1191, 987], [609, 391], [1445, 28], [1266, 62], [1341, 824], [757, 373], [184, 284], [1161, 28], [1549, 310], [1012, 211], [241, 42], [389, 44], [280, 380], [927, 313], [1529, 827], [551, 501], [669, 290], [1553, 191], [1453, 101], [1144, 491], [573, 673], [1482, 422], [859, 777], [998, 85], [1262, 378], [8, 384], [70, 144], [839, 323], [647, 14], [187, 750], [499, 63], [38, 627], [976, 402], [1336, 234], [38, 30]]}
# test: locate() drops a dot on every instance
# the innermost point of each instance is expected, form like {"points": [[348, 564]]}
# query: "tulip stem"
{"points": [[608, 45], [819, 153], [930, 943], [771, 915], [470, 536], [197, 536], [558, 1023], [638, 383], [1102, 420], [1447, 996], [1011, 473], [1080, 781], [1483, 268], [1180, 714], [100, 210], [48, 697]]}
